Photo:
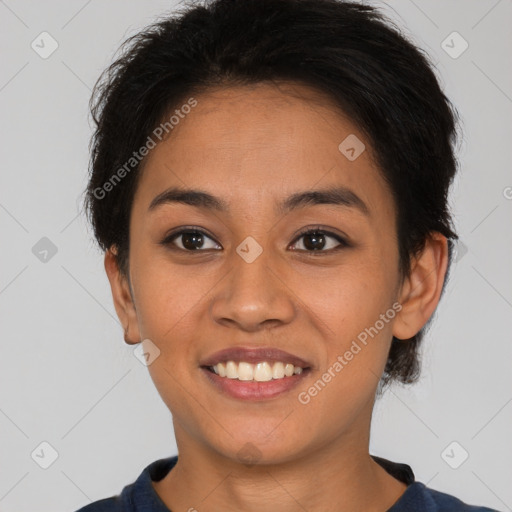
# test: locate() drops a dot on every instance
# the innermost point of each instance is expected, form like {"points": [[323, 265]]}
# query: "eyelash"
{"points": [[169, 239]]}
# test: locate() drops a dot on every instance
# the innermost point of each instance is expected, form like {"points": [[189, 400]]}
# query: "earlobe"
{"points": [[122, 297], [422, 289]]}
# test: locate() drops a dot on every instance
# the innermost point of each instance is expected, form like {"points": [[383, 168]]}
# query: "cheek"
{"points": [[346, 299], [168, 304], [353, 362], [167, 295], [354, 310]]}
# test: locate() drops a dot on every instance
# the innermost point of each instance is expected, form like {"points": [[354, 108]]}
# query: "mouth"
{"points": [[259, 372], [254, 374]]}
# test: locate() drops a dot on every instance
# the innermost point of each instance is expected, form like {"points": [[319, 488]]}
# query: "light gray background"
{"points": [[67, 377]]}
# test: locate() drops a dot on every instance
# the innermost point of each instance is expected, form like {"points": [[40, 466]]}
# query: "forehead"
{"points": [[248, 144]]}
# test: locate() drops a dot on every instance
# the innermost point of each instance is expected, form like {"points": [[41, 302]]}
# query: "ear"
{"points": [[422, 289], [123, 300]]}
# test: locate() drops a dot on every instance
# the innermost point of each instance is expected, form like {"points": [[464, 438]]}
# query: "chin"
{"points": [[259, 450]]}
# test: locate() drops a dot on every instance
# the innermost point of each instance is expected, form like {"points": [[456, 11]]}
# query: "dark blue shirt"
{"points": [[141, 497]]}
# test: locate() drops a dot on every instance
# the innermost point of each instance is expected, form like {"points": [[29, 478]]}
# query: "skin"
{"points": [[252, 147]]}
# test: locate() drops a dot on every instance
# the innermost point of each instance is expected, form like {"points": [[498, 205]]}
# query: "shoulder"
{"points": [[448, 502], [113, 504], [420, 498], [138, 496]]}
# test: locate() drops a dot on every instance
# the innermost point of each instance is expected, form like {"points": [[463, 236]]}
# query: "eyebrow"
{"points": [[337, 196]]}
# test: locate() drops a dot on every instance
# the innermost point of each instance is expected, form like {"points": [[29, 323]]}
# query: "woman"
{"points": [[269, 182]]}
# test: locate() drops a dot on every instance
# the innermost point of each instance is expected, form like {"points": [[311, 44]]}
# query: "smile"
{"points": [[260, 372], [254, 373]]}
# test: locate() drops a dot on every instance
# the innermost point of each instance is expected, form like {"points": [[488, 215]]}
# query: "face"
{"points": [[243, 275]]}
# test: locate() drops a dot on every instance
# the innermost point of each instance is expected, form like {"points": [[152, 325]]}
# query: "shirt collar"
{"points": [[142, 497]]}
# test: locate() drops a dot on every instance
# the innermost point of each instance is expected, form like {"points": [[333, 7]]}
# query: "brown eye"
{"points": [[191, 240], [318, 240]]}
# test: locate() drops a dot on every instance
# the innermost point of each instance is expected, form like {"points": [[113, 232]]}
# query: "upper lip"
{"points": [[254, 355]]}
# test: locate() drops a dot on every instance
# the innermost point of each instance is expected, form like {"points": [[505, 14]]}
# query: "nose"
{"points": [[254, 295]]}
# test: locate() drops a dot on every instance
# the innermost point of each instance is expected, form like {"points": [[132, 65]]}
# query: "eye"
{"points": [[190, 239], [194, 239], [316, 239]]}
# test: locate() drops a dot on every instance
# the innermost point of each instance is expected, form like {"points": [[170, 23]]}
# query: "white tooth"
{"points": [[231, 370], [245, 371], [288, 370], [278, 370], [263, 372], [221, 369]]}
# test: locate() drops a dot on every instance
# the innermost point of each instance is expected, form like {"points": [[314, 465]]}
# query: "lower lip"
{"points": [[252, 390]]}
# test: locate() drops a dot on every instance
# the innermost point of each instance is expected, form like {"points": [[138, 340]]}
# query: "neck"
{"points": [[338, 476]]}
